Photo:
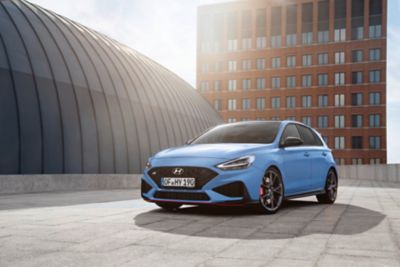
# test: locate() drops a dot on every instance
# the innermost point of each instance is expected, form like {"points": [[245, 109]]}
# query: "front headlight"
{"points": [[148, 165], [237, 164]]}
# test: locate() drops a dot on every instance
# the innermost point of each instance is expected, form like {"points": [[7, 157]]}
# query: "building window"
{"points": [[340, 35], [217, 104], [307, 60], [231, 120], [306, 101], [339, 121], [339, 142], [322, 122], [246, 84], [356, 161], [374, 76], [276, 41], [339, 58], [306, 120], [375, 98], [375, 31], [374, 142], [374, 120], [339, 78], [246, 43], [274, 118], [323, 37], [375, 161], [276, 62], [275, 102], [260, 103], [357, 33], [232, 45], [306, 80], [290, 102], [231, 104], [357, 121], [291, 61], [291, 40], [375, 54], [260, 83], [260, 119], [276, 82], [205, 68], [261, 42], [307, 38], [323, 59], [260, 62], [204, 86], [217, 85], [246, 64], [339, 100], [232, 65], [357, 55], [357, 77], [291, 118], [322, 79], [356, 142], [291, 81], [356, 99], [323, 100], [232, 85], [245, 104]]}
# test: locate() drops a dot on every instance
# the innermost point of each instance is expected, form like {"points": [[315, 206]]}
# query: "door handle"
{"points": [[306, 154], [324, 154]]}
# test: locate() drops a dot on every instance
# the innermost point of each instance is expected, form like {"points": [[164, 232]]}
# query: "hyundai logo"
{"points": [[177, 171]]}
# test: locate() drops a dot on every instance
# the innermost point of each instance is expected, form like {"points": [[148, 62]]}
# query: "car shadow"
{"points": [[296, 218]]}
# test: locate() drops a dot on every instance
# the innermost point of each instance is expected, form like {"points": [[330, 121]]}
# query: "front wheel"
{"points": [[168, 206], [271, 191], [331, 188]]}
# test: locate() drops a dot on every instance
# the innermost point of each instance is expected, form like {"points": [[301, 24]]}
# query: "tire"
{"points": [[331, 187], [271, 193], [168, 206]]}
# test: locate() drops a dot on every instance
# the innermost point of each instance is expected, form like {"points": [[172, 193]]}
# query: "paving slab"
{"points": [[117, 228]]}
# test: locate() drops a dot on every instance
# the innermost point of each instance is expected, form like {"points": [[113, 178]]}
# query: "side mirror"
{"points": [[292, 141]]}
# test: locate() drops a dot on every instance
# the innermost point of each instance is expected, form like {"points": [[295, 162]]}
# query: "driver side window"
{"points": [[290, 130]]}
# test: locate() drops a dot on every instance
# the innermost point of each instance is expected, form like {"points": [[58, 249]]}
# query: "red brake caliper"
{"points": [[262, 191]]}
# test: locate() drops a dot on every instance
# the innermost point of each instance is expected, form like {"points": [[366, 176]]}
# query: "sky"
{"points": [[165, 30]]}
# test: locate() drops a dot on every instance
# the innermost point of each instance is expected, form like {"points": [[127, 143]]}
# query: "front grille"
{"points": [[181, 195], [202, 175], [235, 189], [145, 187]]}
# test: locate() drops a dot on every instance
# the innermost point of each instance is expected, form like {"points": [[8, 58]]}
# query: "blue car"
{"points": [[258, 162]]}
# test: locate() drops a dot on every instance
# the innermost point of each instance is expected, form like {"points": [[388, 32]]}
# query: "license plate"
{"points": [[178, 182]]}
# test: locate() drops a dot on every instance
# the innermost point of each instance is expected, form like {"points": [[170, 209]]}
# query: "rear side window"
{"points": [[307, 136], [291, 131]]}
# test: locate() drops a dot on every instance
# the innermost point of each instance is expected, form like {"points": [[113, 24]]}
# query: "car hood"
{"points": [[220, 151]]}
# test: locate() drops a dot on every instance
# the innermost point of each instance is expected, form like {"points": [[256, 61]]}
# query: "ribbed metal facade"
{"points": [[75, 101]]}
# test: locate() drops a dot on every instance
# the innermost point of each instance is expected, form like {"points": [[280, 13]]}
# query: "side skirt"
{"points": [[313, 193]]}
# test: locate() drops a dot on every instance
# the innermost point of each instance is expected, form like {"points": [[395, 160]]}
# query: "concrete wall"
{"points": [[18, 184], [379, 173]]}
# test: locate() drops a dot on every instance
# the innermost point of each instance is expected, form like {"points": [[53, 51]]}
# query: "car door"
{"points": [[317, 157], [296, 163]]}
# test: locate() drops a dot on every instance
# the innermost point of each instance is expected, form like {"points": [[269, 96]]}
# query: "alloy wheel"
{"points": [[271, 191]]}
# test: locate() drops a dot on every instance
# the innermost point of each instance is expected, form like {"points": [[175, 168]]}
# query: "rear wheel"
{"points": [[331, 187], [168, 206], [271, 191]]}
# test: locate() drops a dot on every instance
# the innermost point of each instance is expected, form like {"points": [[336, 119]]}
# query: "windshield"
{"points": [[251, 132]]}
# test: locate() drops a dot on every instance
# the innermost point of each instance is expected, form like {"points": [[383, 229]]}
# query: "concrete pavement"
{"points": [[116, 228]]}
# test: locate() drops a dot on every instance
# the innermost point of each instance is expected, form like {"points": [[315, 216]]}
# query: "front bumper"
{"points": [[238, 187]]}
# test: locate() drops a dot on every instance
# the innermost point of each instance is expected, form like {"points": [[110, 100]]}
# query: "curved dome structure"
{"points": [[74, 101]]}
